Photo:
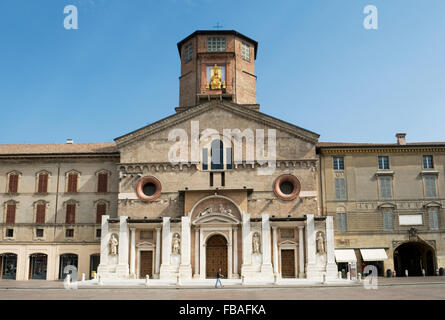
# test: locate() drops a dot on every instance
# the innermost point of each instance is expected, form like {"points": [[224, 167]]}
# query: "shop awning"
{"points": [[345, 255], [373, 254]]}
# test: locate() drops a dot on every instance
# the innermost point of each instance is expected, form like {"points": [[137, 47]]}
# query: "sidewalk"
{"points": [[210, 283]]}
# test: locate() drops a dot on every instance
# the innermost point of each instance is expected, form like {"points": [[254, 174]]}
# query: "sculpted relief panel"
{"points": [[216, 206]]}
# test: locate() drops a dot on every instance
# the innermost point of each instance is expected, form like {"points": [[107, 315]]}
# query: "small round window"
{"points": [[287, 187], [148, 188]]}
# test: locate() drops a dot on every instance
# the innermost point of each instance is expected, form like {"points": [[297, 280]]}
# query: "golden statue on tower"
{"points": [[216, 82]]}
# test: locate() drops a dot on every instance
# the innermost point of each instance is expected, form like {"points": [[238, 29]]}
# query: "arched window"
{"points": [[218, 152]]}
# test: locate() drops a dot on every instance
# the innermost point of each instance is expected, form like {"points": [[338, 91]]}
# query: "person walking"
{"points": [[218, 279]]}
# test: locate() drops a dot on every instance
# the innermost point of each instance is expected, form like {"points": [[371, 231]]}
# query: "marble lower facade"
{"points": [[196, 246]]}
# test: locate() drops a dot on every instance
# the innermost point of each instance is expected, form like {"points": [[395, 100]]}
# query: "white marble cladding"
{"points": [[257, 265]]}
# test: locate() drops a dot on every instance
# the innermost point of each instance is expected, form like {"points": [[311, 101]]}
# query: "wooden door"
{"points": [[216, 256], [288, 263], [146, 264]]}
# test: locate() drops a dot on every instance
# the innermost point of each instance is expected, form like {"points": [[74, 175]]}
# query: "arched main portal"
{"points": [[414, 257], [216, 256]]}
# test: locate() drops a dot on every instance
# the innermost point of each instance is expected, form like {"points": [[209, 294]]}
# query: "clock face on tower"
{"points": [[216, 77]]}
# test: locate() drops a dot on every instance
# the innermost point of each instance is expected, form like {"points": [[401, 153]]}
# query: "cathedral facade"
{"points": [[217, 186]]}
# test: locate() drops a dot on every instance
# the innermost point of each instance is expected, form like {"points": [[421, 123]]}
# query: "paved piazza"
{"points": [[432, 288]]}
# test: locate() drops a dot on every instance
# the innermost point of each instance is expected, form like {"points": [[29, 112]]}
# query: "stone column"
{"points": [[331, 266], [310, 248], [266, 267], [235, 250], [247, 240], [202, 257], [185, 269], [300, 252], [122, 269], [133, 252], [164, 272], [275, 250], [196, 252], [104, 241], [158, 250], [229, 256]]}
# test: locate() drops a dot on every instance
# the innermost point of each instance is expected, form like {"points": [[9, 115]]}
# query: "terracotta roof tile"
{"points": [[75, 148], [364, 145]]}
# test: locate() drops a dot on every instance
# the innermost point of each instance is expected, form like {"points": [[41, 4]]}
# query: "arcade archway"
{"points": [[414, 256]]}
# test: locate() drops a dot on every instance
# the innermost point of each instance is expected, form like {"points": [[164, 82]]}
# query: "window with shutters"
{"points": [[430, 186], [433, 215], [385, 184], [40, 213], [72, 182], [340, 189], [102, 182], [10, 212], [70, 213], [339, 163], [388, 221], [341, 222], [428, 162], [42, 183], [101, 209], [383, 163], [13, 182]]}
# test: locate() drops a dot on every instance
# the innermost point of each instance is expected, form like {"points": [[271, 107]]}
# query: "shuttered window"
{"points": [[385, 188], [341, 222], [13, 183], [433, 215], [102, 182], [430, 186], [10, 213], [40, 213], [340, 189], [70, 213], [339, 163], [42, 183], [100, 211], [72, 182], [388, 221]]}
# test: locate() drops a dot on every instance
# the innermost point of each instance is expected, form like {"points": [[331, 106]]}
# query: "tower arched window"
{"points": [[218, 156]]}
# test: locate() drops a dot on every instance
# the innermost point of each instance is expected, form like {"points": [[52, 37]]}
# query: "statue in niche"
{"points": [[113, 245], [320, 243], [223, 210], [256, 242], [176, 245]]}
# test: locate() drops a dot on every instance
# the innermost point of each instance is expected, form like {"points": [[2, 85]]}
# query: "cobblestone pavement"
{"points": [[430, 288]]}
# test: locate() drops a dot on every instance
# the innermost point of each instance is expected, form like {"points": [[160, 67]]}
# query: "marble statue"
{"points": [[256, 243], [113, 245], [176, 245], [224, 210], [206, 210], [320, 243]]}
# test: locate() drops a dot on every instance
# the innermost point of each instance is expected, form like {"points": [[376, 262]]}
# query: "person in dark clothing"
{"points": [[218, 279]]}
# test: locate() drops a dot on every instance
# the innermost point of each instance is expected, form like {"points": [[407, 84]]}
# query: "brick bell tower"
{"points": [[217, 64]]}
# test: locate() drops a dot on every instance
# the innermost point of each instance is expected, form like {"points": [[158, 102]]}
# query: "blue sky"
{"points": [[317, 66]]}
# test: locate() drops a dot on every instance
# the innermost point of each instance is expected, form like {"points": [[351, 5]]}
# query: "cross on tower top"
{"points": [[218, 26]]}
